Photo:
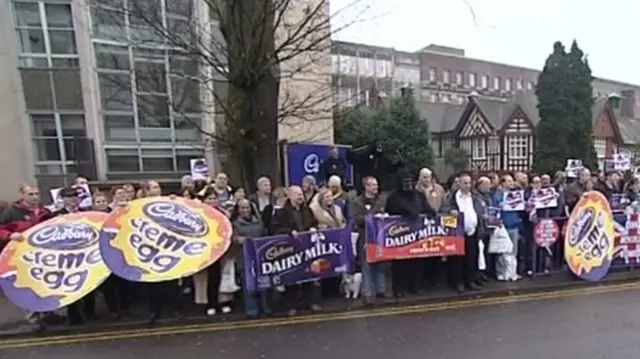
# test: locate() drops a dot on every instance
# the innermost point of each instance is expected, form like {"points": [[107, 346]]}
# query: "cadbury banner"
{"points": [[302, 159], [395, 237], [285, 260]]}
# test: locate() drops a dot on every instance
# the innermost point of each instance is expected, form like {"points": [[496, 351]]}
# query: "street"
{"points": [[586, 323]]}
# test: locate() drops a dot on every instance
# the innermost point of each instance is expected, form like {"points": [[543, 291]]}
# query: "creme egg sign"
{"points": [[161, 239]]}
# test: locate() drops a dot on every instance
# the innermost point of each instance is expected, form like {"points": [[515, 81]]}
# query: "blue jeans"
{"points": [[256, 303], [373, 278]]}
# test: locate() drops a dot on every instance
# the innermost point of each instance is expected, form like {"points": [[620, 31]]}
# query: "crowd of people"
{"points": [[295, 209]]}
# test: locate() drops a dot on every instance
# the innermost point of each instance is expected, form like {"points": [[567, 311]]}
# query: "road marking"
{"points": [[328, 317]]}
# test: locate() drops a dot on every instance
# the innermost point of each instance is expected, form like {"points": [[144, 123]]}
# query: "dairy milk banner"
{"points": [[284, 260], [395, 237], [56, 263], [161, 238]]}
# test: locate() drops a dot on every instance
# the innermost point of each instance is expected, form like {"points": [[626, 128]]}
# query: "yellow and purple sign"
{"points": [[589, 238], [161, 238], [56, 263]]}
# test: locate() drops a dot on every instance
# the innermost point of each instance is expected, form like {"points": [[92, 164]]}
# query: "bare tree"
{"points": [[257, 64]]}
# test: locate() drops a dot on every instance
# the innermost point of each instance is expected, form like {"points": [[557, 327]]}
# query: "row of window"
{"points": [[361, 66], [459, 79]]}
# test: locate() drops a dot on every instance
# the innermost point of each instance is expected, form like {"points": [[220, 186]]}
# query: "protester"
{"points": [[295, 217], [609, 186], [464, 269], [483, 189], [279, 197], [631, 188], [100, 202], [207, 281], [23, 214], [188, 183], [373, 274], [262, 197], [511, 220], [327, 213], [575, 190], [431, 190], [333, 166], [247, 224], [309, 188], [339, 196], [406, 201], [119, 195], [161, 294]]}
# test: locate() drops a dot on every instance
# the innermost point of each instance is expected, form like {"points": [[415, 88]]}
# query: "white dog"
{"points": [[352, 284]]}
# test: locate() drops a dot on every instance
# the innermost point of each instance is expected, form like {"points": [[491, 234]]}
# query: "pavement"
{"points": [[577, 323], [13, 325]]}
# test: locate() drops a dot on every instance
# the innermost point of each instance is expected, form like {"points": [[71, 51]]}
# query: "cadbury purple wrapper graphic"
{"points": [[285, 260]]}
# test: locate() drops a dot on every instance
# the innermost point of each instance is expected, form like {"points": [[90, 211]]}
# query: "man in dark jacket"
{"points": [[464, 269], [373, 274], [333, 166], [405, 201], [575, 190], [609, 186], [295, 217]]}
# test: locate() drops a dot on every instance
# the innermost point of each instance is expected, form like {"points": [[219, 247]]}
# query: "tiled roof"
{"points": [[442, 117]]}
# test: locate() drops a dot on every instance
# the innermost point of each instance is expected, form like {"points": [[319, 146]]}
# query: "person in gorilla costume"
{"points": [[407, 202]]}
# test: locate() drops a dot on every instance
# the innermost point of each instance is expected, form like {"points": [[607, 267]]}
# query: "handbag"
{"points": [[500, 242], [228, 277]]}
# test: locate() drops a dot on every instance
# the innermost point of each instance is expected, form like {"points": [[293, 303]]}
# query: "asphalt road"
{"points": [[581, 323]]}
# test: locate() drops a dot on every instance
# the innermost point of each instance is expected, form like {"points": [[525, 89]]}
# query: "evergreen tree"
{"points": [[564, 103], [581, 144]]}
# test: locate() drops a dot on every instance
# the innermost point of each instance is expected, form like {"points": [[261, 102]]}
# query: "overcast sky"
{"points": [[517, 32]]}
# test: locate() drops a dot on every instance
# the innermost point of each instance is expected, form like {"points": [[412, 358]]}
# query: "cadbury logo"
{"points": [[581, 226], [176, 218], [64, 236]]}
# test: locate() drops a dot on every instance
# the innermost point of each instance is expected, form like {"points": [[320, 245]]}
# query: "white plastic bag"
{"points": [[500, 242], [511, 270], [228, 277], [482, 262]]}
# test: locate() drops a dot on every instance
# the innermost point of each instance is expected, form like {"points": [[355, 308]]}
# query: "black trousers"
{"points": [[118, 294], [464, 269], [164, 294], [301, 296], [214, 273], [83, 309], [407, 275]]}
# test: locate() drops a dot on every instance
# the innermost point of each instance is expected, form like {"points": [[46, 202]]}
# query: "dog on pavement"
{"points": [[351, 284]]}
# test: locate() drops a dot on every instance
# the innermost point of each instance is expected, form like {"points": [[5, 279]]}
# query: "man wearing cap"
{"points": [[84, 308]]}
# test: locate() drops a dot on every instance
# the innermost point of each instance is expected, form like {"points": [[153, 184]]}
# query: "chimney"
{"points": [[628, 103]]}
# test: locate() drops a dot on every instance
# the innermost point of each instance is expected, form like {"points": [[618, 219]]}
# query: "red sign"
{"points": [[546, 232]]}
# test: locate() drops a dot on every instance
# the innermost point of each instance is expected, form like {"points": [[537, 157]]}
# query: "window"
{"points": [[484, 81], [519, 84], [432, 75], [46, 35], [518, 147], [115, 92], [335, 63], [507, 84], [446, 98], [123, 160], [157, 160], [54, 140], [183, 158], [153, 111], [472, 80], [600, 145], [108, 24], [119, 128], [496, 83], [366, 67], [187, 128], [36, 85], [458, 78], [445, 76], [185, 95], [479, 147], [112, 57], [383, 68], [530, 86]]}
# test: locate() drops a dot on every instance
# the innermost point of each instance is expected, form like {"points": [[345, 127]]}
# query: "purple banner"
{"points": [[285, 260]]}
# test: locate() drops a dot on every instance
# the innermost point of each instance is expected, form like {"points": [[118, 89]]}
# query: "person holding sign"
{"points": [[20, 216]]}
